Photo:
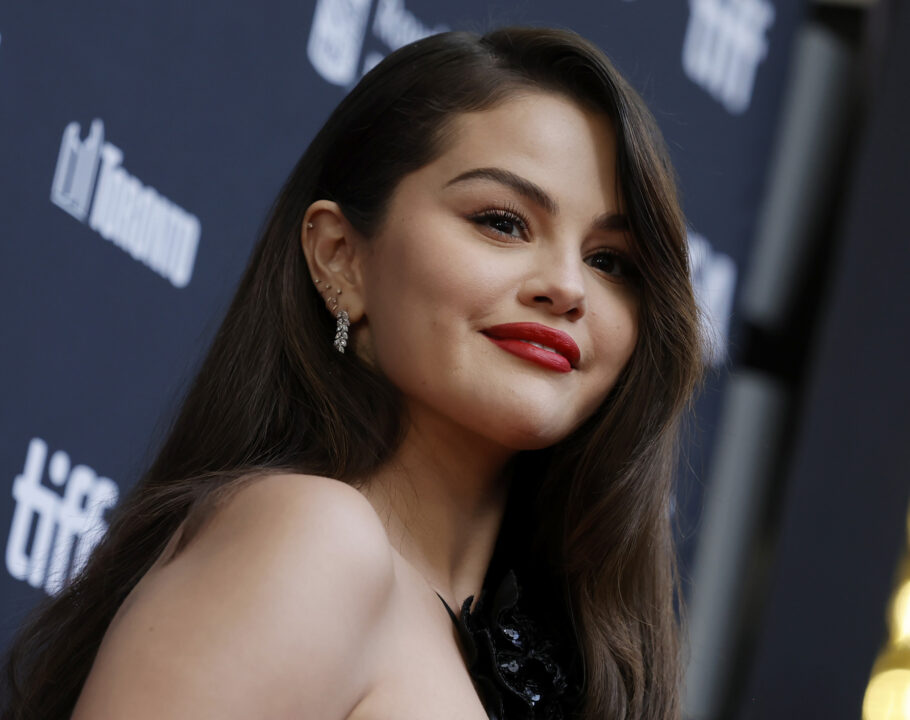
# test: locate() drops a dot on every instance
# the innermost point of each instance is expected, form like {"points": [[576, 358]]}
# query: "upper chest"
{"points": [[419, 669]]}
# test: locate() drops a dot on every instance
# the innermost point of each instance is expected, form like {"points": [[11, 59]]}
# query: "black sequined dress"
{"points": [[521, 669]]}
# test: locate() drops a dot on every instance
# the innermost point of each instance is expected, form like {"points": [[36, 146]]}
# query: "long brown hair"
{"points": [[272, 394]]}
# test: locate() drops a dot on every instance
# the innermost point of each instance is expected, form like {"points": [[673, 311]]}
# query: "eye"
{"points": [[503, 222], [614, 264]]}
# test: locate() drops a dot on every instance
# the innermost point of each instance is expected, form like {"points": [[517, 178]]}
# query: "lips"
{"points": [[558, 351]]}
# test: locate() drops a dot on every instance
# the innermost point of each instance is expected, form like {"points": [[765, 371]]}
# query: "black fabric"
{"points": [[520, 670]]}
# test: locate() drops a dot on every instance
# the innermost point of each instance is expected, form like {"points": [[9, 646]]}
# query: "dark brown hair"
{"points": [[273, 395]]}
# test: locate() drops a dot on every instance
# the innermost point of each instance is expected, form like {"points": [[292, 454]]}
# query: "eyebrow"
{"points": [[608, 221]]}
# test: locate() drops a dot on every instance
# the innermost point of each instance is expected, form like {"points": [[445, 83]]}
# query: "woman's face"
{"points": [[511, 237]]}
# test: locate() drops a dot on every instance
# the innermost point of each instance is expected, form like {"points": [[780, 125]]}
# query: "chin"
{"points": [[535, 428], [532, 443], [521, 432]]}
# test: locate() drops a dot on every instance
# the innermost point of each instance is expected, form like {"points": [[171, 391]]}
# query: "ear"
{"points": [[333, 251]]}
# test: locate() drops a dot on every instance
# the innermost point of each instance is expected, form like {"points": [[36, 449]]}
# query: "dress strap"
{"points": [[448, 609]]}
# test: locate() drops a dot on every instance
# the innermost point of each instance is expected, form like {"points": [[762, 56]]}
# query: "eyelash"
{"points": [[513, 215], [503, 214]]}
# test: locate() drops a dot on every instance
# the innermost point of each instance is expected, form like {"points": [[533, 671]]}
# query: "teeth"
{"points": [[542, 347]]}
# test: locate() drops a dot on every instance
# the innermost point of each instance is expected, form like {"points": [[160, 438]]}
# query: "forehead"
{"points": [[545, 137]]}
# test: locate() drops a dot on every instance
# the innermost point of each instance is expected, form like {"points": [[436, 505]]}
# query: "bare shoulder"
{"points": [[297, 530], [305, 514], [272, 609]]}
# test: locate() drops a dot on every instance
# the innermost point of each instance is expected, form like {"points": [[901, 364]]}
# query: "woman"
{"points": [[471, 306]]}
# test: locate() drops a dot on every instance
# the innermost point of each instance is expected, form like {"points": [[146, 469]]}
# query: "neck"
{"points": [[442, 497]]}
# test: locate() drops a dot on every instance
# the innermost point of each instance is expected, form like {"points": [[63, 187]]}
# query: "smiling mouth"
{"points": [[540, 344], [542, 347]]}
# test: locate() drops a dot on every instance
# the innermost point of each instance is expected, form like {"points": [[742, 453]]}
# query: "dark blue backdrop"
{"points": [[142, 145]]}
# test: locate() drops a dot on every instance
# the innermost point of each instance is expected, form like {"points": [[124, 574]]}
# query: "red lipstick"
{"points": [[559, 352]]}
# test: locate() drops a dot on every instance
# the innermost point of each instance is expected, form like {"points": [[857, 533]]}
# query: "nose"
{"points": [[556, 283]]}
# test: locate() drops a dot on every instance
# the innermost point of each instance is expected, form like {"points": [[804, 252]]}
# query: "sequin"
{"points": [[513, 635], [511, 662]]}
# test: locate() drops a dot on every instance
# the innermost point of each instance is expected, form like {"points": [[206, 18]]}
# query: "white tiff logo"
{"points": [[63, 529], [339, 29], [133, 216], [714, 284], [725, 43]]}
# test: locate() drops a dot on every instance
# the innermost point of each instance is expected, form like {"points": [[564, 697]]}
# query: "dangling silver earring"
{"points": [[343, 320], [341, 330]]}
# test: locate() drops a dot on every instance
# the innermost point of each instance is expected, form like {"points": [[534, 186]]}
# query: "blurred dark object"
{"points": [[806, 503]]}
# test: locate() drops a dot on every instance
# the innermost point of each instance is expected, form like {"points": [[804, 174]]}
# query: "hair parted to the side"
{"points": [[273, 395]]}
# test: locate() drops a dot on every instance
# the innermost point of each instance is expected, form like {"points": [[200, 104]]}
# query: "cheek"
{"points": [[617, 335], [435, 274], [419, 288], [630, 332]]}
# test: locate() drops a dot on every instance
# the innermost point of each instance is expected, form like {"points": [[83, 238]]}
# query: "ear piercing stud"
{"points": [[309, 224]]}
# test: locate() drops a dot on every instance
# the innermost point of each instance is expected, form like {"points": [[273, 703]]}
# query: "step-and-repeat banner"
{"points": [[140, 148]]}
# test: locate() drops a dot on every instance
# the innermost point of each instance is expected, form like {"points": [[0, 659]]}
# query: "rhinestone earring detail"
{"points": [[341, 331], [342, 319]]}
